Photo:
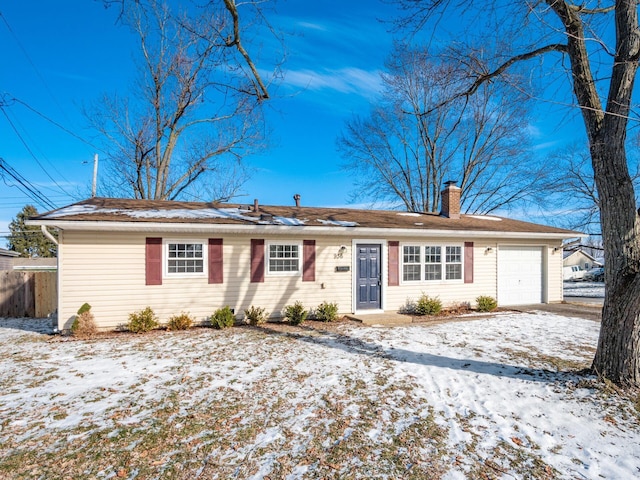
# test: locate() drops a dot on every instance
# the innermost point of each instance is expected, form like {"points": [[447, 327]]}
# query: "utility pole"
{"points": [[95, 176]]}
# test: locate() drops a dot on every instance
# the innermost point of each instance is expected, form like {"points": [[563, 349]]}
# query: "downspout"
{"points": [[47, 234], [55, 316]]}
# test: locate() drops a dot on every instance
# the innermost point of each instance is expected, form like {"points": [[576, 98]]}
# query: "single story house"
{"points": [[581, 259], [121, 255]]}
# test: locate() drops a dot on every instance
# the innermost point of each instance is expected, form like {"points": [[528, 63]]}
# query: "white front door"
{"points": [[519, 275]]}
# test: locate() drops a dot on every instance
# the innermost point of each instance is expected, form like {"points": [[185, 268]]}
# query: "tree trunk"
{"points": [[618, 354]]}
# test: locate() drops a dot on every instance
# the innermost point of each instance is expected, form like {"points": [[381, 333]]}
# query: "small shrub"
{"points": [[256, 315], [184, 321], [327, 312], [296, 313], [84, 325], [84, 308], [223, 318], [486, 303], [458, 308], [409, 307], [427, 305], [142, 321]]}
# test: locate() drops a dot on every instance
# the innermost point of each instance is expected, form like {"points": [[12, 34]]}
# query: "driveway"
{"points": [[573, 308]]}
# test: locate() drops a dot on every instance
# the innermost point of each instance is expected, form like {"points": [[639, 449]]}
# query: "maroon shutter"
{"points": [[257, 260], [215, 260], [468, 262], [309, 260], [153, 261], [394, 263]]}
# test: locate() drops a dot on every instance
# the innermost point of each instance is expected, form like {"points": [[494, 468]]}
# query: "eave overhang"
{"points": [[289, 230]]}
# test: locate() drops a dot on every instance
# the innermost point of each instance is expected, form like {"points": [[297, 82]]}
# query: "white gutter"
{"points": [[171, 227], [47, 234]]}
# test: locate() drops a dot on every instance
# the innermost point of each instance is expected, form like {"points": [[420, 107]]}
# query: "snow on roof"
{"points": [[339, 223], [160, 211], [486, 217]]}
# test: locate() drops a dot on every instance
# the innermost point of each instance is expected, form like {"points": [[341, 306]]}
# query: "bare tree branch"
{"points": [[261, 89], [398, 153]]}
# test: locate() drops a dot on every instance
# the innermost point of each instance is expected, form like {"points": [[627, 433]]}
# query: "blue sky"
{"points": [[59, 56]]}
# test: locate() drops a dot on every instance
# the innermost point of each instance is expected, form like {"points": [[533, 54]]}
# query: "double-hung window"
{"points": [[411, 263], [453, 263], [428, 263], [283, 259], [185, 258]]}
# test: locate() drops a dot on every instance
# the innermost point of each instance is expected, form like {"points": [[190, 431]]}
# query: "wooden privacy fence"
{"points": [[28, 294]]}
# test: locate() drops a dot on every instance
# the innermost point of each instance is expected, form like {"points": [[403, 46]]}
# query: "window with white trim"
{"points": [[185, 259], [283, 258], [428, 263], [453, 263], [411, 263]]}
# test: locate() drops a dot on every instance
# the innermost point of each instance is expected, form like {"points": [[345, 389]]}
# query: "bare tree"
{"points": [[573, 186], [602, 63], [194, 111], [399, 153]]}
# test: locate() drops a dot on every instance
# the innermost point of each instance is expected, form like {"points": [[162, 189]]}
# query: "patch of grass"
{"points": [[533, 358]]}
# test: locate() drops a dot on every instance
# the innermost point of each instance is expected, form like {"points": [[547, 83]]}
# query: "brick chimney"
{"points": [[450, 203]]}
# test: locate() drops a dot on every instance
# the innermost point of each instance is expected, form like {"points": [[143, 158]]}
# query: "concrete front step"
{"points": [[387, 318]]}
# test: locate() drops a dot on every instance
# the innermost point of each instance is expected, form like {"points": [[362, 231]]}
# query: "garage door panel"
{"points": [[519, 275]]}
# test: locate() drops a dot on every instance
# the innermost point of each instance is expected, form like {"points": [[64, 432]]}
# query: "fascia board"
{"points": [[289, 230]]}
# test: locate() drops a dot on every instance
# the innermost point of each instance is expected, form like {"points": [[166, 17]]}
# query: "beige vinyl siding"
{"points": [[449, 292], [107, 270], [554, 269], [485, 281]]}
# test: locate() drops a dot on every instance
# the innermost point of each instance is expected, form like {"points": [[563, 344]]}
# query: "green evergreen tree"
{"points": [[29, 241]]}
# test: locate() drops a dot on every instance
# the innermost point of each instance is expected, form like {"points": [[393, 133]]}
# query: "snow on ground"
{"points": [[310, 403], [584, 289]]}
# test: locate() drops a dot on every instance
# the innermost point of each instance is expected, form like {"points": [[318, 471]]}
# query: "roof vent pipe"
{"points": [[296, 197], [256, 206]]}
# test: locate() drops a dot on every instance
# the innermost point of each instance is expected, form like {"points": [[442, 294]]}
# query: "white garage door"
{"points": [[519, 275]]}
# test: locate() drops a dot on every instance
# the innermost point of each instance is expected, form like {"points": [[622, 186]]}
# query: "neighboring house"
{"points": [[35, 264], [121, 255], [6, 259], [581, 259]]}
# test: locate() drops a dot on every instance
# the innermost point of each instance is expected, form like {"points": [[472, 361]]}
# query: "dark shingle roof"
{"points": [[162, 211]]}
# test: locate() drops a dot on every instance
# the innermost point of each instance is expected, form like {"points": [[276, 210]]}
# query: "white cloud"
{"points": [[343, 80], [312, 26]]}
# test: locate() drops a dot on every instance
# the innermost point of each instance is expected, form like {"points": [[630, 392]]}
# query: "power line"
{"points": [[33, 65], [6, 98], [31, 140], [31, 151], [25, 186]]}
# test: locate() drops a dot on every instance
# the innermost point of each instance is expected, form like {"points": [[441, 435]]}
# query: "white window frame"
{"points": [[267, 258], [443, 263], [165, 258]]}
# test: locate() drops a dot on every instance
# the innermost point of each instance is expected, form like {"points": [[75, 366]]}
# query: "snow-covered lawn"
{"points": [[486, 398]]}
